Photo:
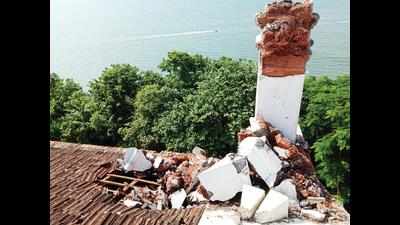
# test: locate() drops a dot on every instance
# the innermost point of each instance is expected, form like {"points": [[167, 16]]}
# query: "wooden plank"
{"points": [[113, 183], [134, 179]]}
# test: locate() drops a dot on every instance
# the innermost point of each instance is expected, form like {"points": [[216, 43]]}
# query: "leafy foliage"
{"points": [[197, 101], [212, 115], [114, 91], [151, 101], [326, 123], [61, 91]]}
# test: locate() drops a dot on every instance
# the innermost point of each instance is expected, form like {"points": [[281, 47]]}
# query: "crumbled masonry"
{"points": [[268, 179]]}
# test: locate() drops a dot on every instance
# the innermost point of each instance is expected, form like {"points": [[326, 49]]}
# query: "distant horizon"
{"points": [[88, 36]]}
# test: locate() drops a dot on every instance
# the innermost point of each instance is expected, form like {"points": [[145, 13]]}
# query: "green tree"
{"points": [[211, 117], [325, 121], [183, 69], [150, 103], [61, 91], [114, 92]]}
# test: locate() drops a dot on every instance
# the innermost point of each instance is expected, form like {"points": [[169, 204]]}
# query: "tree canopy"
{"points": [[197, 101]]}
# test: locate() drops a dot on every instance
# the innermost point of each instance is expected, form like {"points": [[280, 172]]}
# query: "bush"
{"points": [[325, 121]]}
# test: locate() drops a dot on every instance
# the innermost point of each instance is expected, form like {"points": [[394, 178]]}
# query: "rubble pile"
{"points": [[267, 179]]}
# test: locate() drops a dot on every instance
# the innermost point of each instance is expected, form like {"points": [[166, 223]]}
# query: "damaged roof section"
{"points": [[77, 196], [267, 179]]}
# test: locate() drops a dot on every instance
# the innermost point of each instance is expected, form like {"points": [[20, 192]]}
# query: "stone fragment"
{"points": [[157, 161], [177, 198], [131, 203], [258, 127], [174, 181], [283, 153], [287, 188], [313, 215], [134, 160], [315, 200], [244, 134], [221, 216], [199, 152], [250, 200], [196, 196], [262, 158], [275, 206], [225, 178], [282, 141]]}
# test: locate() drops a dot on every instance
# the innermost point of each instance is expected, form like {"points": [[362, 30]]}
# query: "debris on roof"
{"points": [[268, 179]]}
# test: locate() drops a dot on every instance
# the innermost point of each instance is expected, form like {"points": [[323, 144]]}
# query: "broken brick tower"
{"points": [[284, 49]]}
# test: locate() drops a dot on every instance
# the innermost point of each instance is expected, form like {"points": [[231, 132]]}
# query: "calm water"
{"points": [[89, 35]]}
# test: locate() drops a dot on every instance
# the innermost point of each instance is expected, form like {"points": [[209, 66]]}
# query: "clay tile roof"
{"points": [[75, 197]]}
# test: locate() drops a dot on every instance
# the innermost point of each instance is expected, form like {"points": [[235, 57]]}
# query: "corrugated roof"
{"points": [[75, 197]]}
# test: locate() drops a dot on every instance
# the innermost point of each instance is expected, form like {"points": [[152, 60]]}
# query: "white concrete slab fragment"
{"points": [[275, 206], [134, 159], [130, 203], [225, 178], [250, 200], [287, 188], [221, 216], [254, 126], [264, 160], [278, 101], [177, 198]]}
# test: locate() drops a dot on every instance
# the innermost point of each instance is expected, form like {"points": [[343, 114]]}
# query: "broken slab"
{"points": [[225, 178], [220, 216], [134, 159], [287, 188], [250, 200], [275, 206], [261, 157], [177, 198]]}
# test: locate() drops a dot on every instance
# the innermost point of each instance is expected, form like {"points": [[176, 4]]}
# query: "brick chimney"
{"points": [[284, 49]]}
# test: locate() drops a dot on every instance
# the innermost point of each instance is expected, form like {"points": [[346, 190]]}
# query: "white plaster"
{"points": [[220, 216], [196, 196], [298, 131], [287, 188], [157, 162], [278, 101], [254, 126], [177, 198], [130, 203], [134, 159], [223, 179], [264, 160], [250, 200], [275, 206]]}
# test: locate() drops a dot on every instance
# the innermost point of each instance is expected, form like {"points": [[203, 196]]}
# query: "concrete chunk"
{"points": [[220, 216], [250, 200], [275, 206], [177, 198], [225, 178], [130, 203], [287, 188], [134, 159], [264, 160]]}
